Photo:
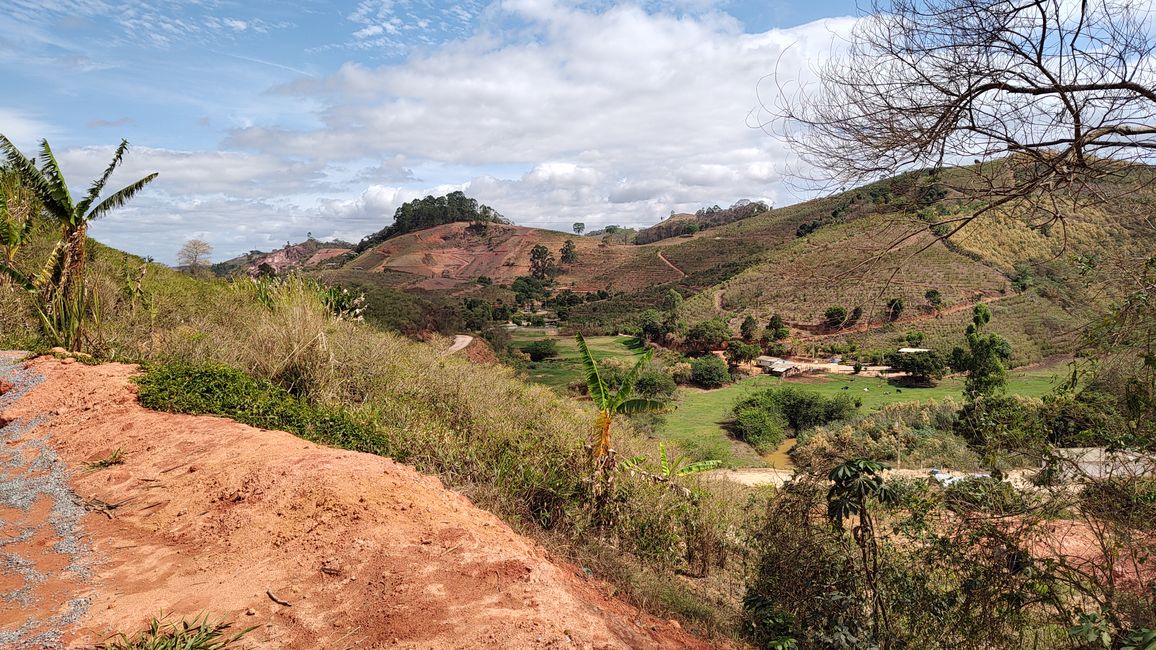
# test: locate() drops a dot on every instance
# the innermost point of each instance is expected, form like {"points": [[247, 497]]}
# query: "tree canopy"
{"points": [[431, 211]]}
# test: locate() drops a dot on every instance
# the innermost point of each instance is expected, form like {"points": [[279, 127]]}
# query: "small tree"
{"points": [[620, 401], [569, 253], [708, 335], [778, 328], [579, 227], [921, 367], [984, 360], [934, 299], [709, 372], [894, 309], [542, 349], [749, 328], [835, 316], [854, 316], [739, 352], [194, 255], [62, 296], [541, 263]]}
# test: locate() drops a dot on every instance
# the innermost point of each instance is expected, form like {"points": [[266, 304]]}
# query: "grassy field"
{"points": [[697, 424], [566, 368]]}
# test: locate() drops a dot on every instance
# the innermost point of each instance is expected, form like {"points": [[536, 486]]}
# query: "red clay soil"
{"points": [[314, 547], [479, 351]]}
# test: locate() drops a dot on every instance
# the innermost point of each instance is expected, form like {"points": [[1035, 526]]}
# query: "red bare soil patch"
{"points": [[215, 516], [450, 255]]}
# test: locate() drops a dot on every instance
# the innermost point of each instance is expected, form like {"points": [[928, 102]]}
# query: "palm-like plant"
{"points": [[15, 216], [610, 403], [63, 303]]}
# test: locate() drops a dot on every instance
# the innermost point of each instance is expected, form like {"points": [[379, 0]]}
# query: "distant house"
{"points": [[777, 366], [913, 350]]}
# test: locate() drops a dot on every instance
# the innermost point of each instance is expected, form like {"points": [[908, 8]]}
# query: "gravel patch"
{"points": [[31, 472]]}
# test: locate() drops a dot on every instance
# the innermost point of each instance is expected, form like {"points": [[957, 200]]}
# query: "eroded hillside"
{"points": [[310, 546]]}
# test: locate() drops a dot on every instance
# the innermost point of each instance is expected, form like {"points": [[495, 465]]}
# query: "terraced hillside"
{"points": [[454, 255]]}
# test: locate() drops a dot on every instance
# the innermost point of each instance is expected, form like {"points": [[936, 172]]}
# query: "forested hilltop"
{"points": [[431, 211]]}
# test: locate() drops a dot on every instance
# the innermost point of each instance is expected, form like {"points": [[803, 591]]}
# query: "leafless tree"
{"points": [[1044, 101], [194, 255]]}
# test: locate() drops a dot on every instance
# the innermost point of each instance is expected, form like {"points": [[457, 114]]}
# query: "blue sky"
{"points": [[270, 120]]}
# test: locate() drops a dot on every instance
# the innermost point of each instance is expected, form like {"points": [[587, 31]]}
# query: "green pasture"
{"points": [[697, 422], [566, 368]]}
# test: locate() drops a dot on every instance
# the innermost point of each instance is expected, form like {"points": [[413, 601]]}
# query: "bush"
{"points": [[909, 434], [709, 372], [921, 367], [835, 316], [708, 335], [681, 373], [802, 409], [983, 494], [541, 350], [654, 383], [764, 429], [1001, 424]]}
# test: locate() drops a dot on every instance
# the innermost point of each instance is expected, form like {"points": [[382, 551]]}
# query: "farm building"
{"points": [[777, 366]]}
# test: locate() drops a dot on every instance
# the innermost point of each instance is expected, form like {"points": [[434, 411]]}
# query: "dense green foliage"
{"points": [[921, 367], [709, 372], [541, 349], [767, 417], [216, 389], [420, 214], [707, 335], [985, 359]]}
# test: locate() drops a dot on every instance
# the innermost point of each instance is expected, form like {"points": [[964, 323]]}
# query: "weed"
{"points": [[115, 458], [196, 634]]}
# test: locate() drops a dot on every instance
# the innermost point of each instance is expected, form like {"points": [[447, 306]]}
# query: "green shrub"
{"points": [[908, 434], [709, 372], [764, 429], [1001, 425], [801, 409], [984, 494], [214, 389], [708, 335], [542, 349], [654, 383]]}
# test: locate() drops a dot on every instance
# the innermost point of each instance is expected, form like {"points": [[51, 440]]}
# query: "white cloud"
{"points": [[23, 130], [617, 113]]}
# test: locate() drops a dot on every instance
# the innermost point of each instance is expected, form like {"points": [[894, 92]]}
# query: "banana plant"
{"points": [[62, 300], [617, 402], [669, 466], [15, 223]]}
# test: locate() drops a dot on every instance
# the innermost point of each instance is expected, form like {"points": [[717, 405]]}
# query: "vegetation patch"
{"points": [[215, 389]]}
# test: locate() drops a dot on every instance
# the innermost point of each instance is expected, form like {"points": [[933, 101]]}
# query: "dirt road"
{"points": [[460, 343]]}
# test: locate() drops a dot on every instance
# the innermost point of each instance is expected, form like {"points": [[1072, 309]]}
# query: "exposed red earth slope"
{"points": [[450, 255], [314, 547]]}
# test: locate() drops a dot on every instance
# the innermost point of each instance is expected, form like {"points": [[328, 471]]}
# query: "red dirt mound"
{"points": [[315, 547]]}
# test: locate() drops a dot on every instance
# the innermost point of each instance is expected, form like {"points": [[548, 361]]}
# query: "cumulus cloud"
{"points": [[651, 109]]}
